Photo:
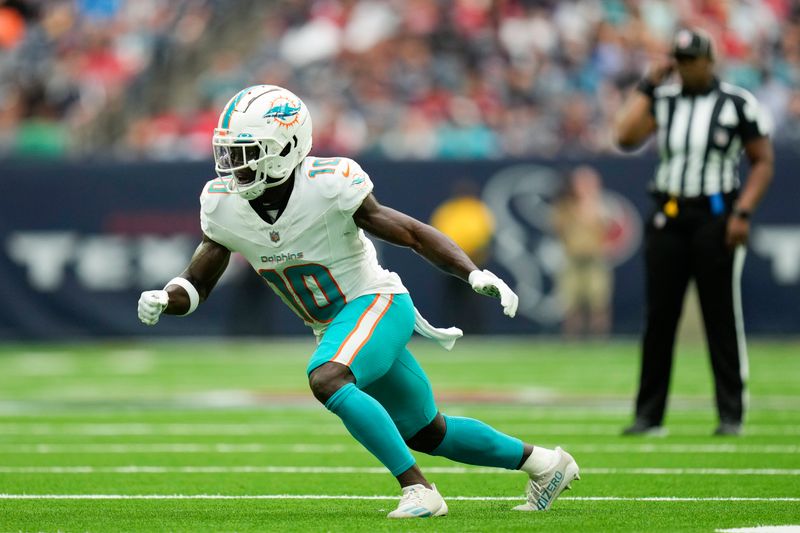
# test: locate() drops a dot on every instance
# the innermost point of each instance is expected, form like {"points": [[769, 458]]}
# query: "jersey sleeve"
{"points": [[209, 200], [354, 186], [754, 120]]}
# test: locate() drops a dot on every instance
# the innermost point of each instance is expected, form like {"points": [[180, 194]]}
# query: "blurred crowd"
{"points": [[65, 63], [400, 79]]}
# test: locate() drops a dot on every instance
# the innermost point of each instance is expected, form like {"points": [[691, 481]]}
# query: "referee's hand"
{"points": [[660, 69], [737, 233]]}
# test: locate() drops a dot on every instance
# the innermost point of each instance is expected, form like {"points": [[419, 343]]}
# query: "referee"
{"points": [[701, 222]]}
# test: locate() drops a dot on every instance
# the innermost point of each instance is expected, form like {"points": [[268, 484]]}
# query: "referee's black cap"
{"points": [[692, 43]]}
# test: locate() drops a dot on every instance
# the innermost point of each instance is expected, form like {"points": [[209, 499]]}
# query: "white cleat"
{"points": [[419, 501], [542, 490]]}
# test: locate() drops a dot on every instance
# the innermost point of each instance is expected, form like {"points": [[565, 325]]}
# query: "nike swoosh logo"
{"points": [[346, 172]]}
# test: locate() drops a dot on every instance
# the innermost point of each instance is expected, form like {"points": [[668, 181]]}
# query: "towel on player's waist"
{"points": [[445, 336]]}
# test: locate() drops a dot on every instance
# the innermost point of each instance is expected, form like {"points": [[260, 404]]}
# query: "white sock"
{"points": [[539, 461]]}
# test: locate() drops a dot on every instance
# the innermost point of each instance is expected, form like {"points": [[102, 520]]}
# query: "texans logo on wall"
{"points": [[521, 198]]}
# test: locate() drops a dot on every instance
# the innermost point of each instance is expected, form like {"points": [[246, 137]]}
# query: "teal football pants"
{"points": [[369, 336], [392, 399]]}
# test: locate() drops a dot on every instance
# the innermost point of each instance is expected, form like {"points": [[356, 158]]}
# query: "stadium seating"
{"points": [[399, 80]]}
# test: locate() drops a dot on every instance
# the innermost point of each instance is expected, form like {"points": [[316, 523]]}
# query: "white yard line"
{"points": [[696, 471], [172, 429], [376, 497], [456, 470], [258, 447], [763, 529], [686, 448], [284, 428], [615, 412], [178, 448]]}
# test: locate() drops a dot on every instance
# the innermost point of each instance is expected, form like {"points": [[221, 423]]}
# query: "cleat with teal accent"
{"points": [[419, 501], [543, 489]]}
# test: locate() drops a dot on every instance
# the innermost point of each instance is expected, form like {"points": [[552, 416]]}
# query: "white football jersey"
{"points": [[314, 256]]}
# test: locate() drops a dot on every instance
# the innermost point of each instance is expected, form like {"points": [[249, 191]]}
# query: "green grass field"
{"points": [[212, 436]]}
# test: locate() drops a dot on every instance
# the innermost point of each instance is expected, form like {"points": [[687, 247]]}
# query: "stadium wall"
{"points": [[78, 242]]}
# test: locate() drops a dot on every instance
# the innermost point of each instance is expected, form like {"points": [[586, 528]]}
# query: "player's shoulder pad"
{"points": [[213, 191], [335, 176]]}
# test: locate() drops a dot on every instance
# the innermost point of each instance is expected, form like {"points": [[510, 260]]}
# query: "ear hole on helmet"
{"points": [[286, 149]]}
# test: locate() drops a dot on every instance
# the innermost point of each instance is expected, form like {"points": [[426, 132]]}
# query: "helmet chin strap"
{"points": [[274, 182], [257, 190]]}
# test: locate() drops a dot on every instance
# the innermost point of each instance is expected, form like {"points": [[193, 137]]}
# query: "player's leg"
{"points": [[333, 384], [338, 371], [667, 260], [717, 271], [406, 393], [359, 347]]}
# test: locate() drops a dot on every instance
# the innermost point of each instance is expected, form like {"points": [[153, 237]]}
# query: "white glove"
{"points": [[486, 283], [151, 305]]}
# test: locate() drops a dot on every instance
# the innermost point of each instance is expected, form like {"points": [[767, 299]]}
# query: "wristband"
{"points": [[738, 212], [194, 296], [646, 87]]}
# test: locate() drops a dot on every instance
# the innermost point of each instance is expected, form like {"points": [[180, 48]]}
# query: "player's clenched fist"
{"points": [[484, 282], [151, 305]]}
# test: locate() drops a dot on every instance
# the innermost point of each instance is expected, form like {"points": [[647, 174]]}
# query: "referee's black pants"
{"points": [[691, 245]]}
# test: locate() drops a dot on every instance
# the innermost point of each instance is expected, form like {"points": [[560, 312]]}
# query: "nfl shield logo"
{"points": [[721, 137], [274, 236]]}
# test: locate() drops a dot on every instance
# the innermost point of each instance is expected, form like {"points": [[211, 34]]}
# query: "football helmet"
{"points": [[263, 133]]}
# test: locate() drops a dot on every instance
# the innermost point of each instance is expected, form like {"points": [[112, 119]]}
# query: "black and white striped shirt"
{"points": [[701, 137]]}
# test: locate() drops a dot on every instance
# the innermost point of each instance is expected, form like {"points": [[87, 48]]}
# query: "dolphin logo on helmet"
{"points": [[263, 133], [282, 111]]}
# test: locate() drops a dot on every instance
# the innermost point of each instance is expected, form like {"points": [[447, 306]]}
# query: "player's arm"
{"points": [[635, 122], [184, 293], [398, 228]]}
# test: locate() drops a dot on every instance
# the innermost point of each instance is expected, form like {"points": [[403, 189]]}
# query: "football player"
{"points": [[300, 222]]}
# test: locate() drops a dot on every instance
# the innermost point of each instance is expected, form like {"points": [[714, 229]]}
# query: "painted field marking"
{"points": [[376, 497], [112, 429], [696, 471], [617, 413], [763, 529], [178, 448], [456, 470], [257, 447], [687, 448]]}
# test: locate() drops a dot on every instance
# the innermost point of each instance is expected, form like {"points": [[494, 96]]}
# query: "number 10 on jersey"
{"points": [[309, 289]]}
